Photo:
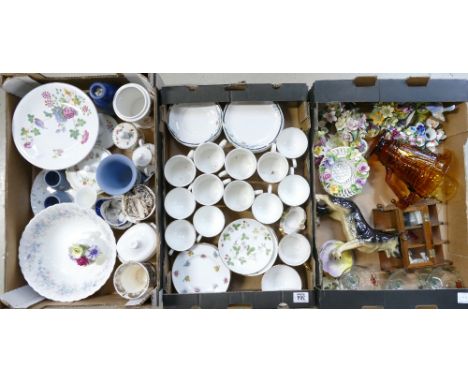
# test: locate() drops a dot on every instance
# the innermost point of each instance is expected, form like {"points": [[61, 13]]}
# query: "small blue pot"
{"points": [[102, 94]]}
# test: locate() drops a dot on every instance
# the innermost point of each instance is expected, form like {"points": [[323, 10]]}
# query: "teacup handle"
{"points": [[258, 192], [291, 171], [154, 226], [141, 142], [199, 237], [226, 181], [294, 163], [273, 148], [222, 174], [270, 189], [222, 143], [190, 154], [171, 252]]}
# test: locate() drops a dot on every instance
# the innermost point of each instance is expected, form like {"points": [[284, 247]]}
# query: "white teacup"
{"points": [[292, 142], [294, 190], [239, 195], [180, 170], [293, 220], [179, 203], [240, 164], [267, 208], [180, 235], [208, 189], [272, 166], [294, 249], [208, 221], [209, 157]]}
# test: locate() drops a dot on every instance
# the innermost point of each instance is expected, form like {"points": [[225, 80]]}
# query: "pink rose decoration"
{"points": [[85, 137], [27, 145], [82, 261], [326, 175], [68, 112]]}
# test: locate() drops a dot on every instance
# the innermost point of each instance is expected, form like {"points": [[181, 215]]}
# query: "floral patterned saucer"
{"points": [[55, 126], [247, 246], [200, 270], [343, 172], [40, 191], [84, 173], [106, 128], [67, 253]]}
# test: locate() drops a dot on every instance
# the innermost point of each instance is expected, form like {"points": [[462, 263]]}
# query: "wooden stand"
{"points": [[418, 226]]}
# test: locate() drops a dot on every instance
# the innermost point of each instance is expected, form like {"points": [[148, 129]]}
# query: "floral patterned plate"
{"points": [[200, 270], [67, 253], [40, 191], [84, 173], [247, 246], [55, 126], [343, 172], [106, 128]]}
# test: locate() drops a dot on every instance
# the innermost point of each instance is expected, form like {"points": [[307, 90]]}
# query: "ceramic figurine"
{"points": [[437, 111], [359, 234]]}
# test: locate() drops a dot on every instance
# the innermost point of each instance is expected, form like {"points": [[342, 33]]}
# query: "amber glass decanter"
{"points": [[413, 173]]}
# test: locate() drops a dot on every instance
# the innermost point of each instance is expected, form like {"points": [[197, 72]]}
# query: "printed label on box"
{"points": [[462, 297], [301, 297]]}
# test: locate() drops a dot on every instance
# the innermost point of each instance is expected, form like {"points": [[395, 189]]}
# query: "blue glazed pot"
{"points": [[102, 94], [116, 174], [57, 180], [56, 198]]}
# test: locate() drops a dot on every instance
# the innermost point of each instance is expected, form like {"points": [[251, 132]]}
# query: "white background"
{"points": [[222, 37]]}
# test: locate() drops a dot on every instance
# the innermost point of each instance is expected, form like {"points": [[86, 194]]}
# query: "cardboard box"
{"points": [[453, 213], [18, 178], [243, 291]]}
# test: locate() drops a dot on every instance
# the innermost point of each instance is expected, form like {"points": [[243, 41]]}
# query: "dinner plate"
{"points": [[67, 253], [253, 125], [247, 246], [55, 126], [83, 174], [40, 191], [200, 270], [195, 123], [343, 172], [106, 128]]}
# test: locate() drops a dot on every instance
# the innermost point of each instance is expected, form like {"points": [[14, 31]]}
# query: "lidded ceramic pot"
{"points": [[138, 243]]}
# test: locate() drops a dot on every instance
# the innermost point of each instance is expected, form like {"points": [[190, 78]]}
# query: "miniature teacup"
{"points": [[292, 142], [180, 170], [240, 164], [267, 207], [209, 157], [239, 195], [294, 249], [126, 136], [294, 190], [57, 180], [180, 235], [272, 166], [132, 103], [208, 189], [293, 220], [56, 198], [179, 203], [134, 280], [116, 174], [86, 197], [208, 221]]}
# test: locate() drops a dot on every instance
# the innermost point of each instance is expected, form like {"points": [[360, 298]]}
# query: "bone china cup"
{"points": [[240, 164], [267, 208], [208, 189], [239, 195], [272, 166], [208, 221], [179, 171], [294, 249], [180, 235], [294, 190], [292, 142], [179, 203], [209, 157]]}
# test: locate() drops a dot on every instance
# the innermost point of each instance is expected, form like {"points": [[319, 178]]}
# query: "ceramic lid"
{"points": [[125, 135], [138, 243]]}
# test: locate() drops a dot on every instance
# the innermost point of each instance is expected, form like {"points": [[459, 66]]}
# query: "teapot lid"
{"points": [[138, 243]]}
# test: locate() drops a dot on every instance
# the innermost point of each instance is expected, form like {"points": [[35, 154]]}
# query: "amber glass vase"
{"points": [[413, 173]]}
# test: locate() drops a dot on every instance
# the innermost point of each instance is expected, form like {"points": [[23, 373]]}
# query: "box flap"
{"points": [[345, 91], [21, 298], [234, 93], [432, 90]]}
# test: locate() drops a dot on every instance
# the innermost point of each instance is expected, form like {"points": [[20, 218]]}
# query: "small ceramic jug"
{"points": [[144, 157]]}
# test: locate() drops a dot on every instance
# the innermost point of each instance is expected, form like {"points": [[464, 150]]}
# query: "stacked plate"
{"points": [[247, 247], [200, 270], [194, 124], [253, 125]]}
